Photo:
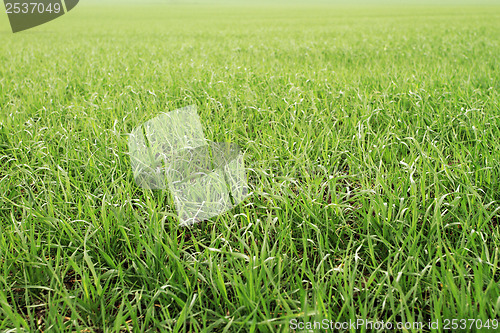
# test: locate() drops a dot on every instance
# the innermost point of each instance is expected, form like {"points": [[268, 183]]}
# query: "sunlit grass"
{"points": [[372, 144]]}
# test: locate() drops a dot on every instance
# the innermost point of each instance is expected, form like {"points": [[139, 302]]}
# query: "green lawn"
{"points": [[371, 136]]}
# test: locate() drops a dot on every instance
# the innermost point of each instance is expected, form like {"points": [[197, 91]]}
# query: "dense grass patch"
{"points": [[371, 136]]}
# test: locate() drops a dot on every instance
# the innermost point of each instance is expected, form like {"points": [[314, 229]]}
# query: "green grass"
{"points": [[372, 144]]}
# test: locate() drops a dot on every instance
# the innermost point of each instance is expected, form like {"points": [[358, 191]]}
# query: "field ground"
{"points": [[372, 143]]}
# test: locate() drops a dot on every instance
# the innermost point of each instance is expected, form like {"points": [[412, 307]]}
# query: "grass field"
{"points": [[371, 137]]}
